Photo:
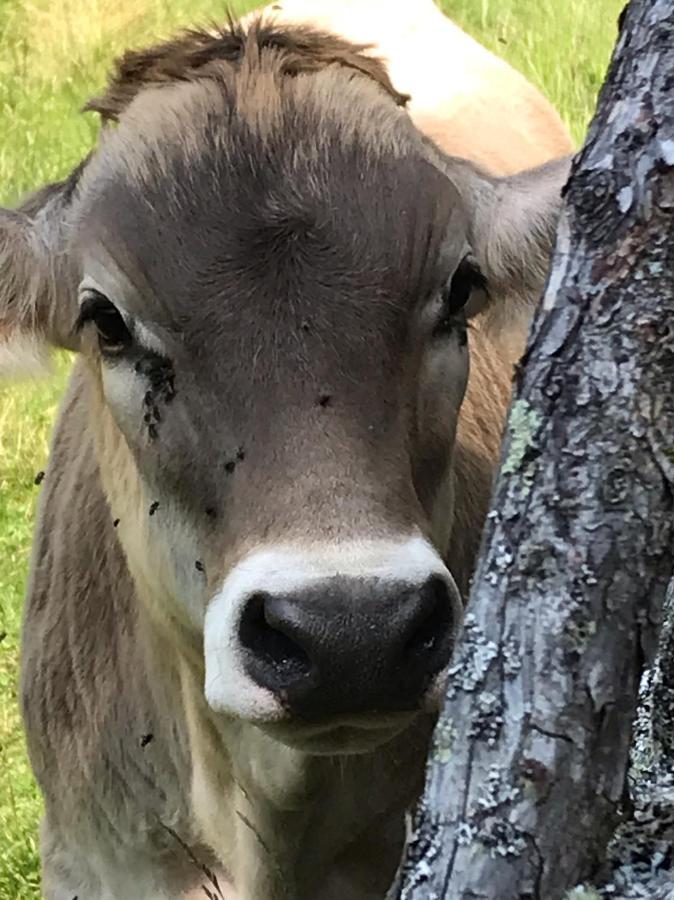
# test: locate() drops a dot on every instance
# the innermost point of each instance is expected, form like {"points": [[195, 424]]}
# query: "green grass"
{"points": [[52, 57], [26, 414], [562, 46]]}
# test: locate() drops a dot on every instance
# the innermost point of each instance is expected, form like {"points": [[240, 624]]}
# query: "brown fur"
{"points": [[312, 264], [469, 101], [199, 54]]}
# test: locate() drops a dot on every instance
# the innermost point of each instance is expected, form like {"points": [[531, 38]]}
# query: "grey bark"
{"points": [[528, 768], [640, 859]]}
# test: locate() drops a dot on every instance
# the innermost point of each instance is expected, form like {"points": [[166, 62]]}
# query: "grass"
{"points": [[52, 57]]}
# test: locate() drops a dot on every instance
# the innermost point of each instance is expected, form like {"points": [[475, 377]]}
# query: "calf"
{"points": [[270, 470]]}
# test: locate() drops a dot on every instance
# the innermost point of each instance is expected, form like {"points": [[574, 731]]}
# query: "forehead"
{"points": [[217, 195]]}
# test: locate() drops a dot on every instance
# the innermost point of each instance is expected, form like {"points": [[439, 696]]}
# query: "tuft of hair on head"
{"points": [[200, 54]]}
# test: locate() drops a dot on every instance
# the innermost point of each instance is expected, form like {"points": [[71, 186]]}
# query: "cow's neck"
{"points": [[278, 818]]}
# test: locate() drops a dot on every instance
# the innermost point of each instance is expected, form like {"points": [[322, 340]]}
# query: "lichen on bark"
{"points": [[523, 423]]}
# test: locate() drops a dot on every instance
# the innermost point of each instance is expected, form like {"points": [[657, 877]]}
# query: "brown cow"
{"points": [[262, 505]]}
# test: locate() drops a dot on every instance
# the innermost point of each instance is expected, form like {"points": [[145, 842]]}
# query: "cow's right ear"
{"points": [[38, 301]]}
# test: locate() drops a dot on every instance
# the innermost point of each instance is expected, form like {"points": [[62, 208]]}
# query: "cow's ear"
{"points": [[37, 289], [512, 227]]}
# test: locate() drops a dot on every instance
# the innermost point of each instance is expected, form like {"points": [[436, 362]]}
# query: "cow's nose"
{"points": [[349, 645]]}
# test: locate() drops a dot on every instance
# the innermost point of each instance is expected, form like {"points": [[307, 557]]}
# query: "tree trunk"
{"points": [[640, 861], [528, 769]]}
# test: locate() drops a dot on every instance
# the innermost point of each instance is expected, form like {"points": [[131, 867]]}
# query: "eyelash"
{"points": [[113, 335], [456, 294]]}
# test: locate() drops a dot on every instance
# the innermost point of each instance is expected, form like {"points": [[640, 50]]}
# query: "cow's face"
{"points": [[273, 279]]}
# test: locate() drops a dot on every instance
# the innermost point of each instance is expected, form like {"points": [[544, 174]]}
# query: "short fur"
{"points": [[199, 54], [313, 228], [469, 101]]}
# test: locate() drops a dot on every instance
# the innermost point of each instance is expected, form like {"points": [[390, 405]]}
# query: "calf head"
{"points": [[269, 275]]}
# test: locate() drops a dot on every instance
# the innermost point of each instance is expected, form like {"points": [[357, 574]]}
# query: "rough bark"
{"points": [[528, 768], [640, 859]]}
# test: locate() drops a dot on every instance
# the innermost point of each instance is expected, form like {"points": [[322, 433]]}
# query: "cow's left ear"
{"points": [[513, 221], [37, 292], [514, 230]]}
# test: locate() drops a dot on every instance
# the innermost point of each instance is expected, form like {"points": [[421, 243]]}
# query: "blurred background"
{"points": [[54, 54]]}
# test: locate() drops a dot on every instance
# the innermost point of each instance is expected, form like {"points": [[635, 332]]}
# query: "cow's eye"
{"points": [[113, 335], [456, 294], [466, 277]]}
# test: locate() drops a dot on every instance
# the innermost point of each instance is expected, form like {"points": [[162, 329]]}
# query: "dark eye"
{"points": [[113, 335], [456, 293]]}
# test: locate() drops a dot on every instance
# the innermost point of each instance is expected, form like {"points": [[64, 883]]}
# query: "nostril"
{"points": [[279, 655], [433, 627]]}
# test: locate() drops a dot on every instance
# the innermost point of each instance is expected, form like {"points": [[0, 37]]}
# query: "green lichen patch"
{"points": [[523, 424], [583, 893], [443, 740]]}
